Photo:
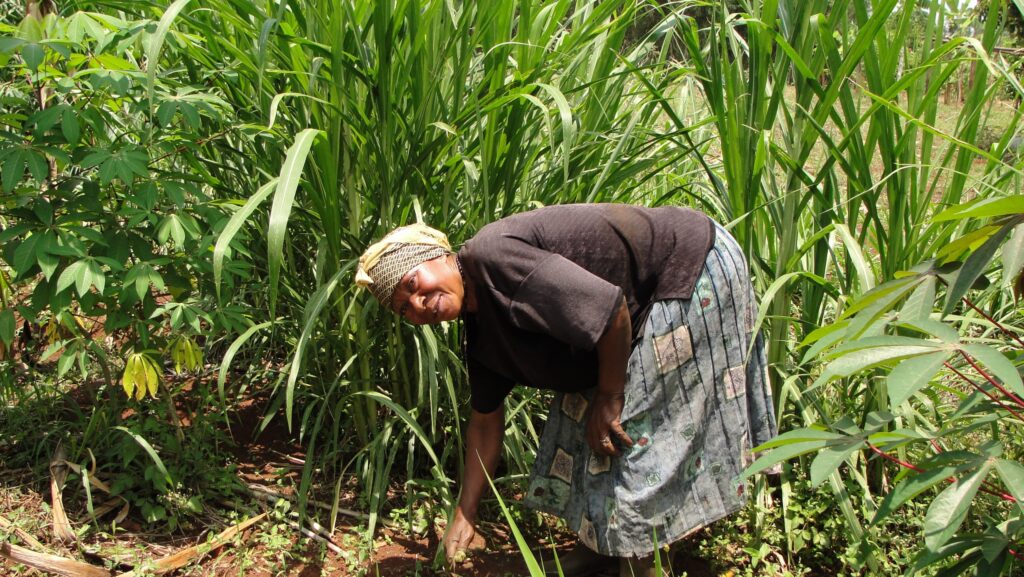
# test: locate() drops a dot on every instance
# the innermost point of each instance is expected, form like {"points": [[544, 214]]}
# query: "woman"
{"points": [[641, 319]]}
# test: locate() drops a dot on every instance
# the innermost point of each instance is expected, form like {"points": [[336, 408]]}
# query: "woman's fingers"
{"points": [[461, 538], [622, 434], [604, 428]]}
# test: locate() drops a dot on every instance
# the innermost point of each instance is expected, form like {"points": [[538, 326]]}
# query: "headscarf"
{"points": [[384, 264]]}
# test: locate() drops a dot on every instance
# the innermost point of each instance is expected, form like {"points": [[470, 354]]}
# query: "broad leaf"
{"points": [[71, 275], [917, 483], [1012, 474], [864, 359], [784, 453], [948, 511], [972, 269], [830, 458], [910, 375], [997, 365]]}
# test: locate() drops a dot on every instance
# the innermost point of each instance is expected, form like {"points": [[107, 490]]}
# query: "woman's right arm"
{"points": [[484, 437]]}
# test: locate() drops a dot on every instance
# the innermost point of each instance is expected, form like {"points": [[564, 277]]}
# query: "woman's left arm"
{"points": [[603, 424]]}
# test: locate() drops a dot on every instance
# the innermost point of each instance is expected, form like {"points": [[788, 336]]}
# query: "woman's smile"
{"points": [[431, 292]]}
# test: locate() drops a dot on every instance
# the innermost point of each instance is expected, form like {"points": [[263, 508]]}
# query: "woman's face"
{"points": [[430, 293]]}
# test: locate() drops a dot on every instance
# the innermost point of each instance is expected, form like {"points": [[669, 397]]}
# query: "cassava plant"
{"points": [[950, 367], [106, 215]]}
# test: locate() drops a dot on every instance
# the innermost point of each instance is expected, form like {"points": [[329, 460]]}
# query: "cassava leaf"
{"points": [[949, 509]]}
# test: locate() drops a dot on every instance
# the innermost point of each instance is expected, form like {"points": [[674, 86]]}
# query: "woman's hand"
{"points": [[460, 538], [604, 426], [603, 422]]}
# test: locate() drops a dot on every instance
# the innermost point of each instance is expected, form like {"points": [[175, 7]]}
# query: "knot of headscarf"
{"points": [[384, 264]]}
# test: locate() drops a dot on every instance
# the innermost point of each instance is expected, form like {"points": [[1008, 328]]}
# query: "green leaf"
{"points": [[998, 365], [155, 45], [43, 211], [25, 254], [33, 53], [233, 226], [96, 158], [74, 274], [13, 169], [972, 269], [165, 112], [798, 436], [1012, 474], [69, 126], [191, 115], [108, 171], [284, 196], [7, 326], [141, 276], [921, 302], [96, 277], [1013, 255], [45, 119], [781, 454], [918, 483], [47, 261], [137, 161], [860, 360], [948, 511], [66, 361], [829, 459], [149, 450], [222, 373], [910, 375], [823, 338], [983, 208], [311, 314], [37, 165], [9, 44], [172, 228], [856, 255], [942, 331], [882, 342]]}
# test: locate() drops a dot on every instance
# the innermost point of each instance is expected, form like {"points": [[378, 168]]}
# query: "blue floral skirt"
{"points": [[697, 400]]}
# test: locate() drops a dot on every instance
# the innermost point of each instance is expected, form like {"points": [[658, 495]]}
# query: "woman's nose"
{"points": [[417, 301]]}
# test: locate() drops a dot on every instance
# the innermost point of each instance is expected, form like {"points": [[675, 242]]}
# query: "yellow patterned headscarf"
{"points": [[384, 264]]}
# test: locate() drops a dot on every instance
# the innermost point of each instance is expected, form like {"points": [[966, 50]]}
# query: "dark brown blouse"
{"points": [[549, 281]]}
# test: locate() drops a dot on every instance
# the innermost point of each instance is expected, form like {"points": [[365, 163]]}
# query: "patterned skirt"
{"points": [[697, 400]]}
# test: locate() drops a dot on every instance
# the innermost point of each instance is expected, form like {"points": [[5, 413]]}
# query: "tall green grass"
{"points": [[831, 163], [376, 114], [811, 127]]}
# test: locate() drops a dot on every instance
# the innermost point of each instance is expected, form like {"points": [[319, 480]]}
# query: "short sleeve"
{"points": [[488, 389], [564, 300]]}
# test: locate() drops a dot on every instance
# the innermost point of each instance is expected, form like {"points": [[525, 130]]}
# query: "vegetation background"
{"points": [[185, 187]]}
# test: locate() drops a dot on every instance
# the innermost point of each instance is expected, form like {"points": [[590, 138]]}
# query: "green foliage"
{"points": [[955, 393], [107, 216], [194, 180]]}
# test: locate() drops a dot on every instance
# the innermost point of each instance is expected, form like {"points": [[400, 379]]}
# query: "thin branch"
{"points": [[183, 148], [991, 380], [899, 462], [994, 492], [984, 392], [1007, 331]]}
